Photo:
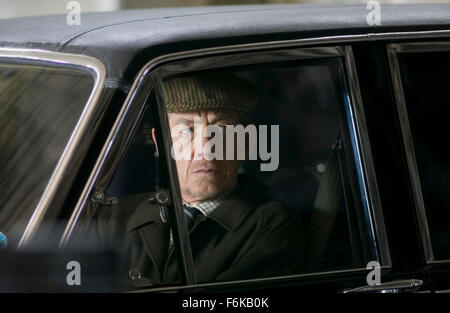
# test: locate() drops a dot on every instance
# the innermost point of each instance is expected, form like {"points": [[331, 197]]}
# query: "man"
{"points": [[236, 230]]}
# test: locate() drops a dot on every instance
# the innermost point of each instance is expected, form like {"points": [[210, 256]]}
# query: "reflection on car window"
{"points": [[425, 84], [39, 108], [265, 167]]}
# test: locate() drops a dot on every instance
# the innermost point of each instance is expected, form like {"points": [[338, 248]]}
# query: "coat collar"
{"points": [[145, 213], [233, 210]]}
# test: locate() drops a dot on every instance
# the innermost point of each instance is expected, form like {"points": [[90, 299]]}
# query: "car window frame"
{"points": [[393, 49], [132, 109], [305, 53], [70, 160]]}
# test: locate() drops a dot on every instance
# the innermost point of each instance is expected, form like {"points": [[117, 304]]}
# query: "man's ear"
{"points": [[156, 143]]}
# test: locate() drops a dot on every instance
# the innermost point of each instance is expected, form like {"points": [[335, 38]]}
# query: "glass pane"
{"points": [[265, 164], [39, 109], [286, 201], [425, 83]]}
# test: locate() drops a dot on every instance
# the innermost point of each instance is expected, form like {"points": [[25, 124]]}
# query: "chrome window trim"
{"points": [[439, 262], [62, 60], [393, 50], [258, 57], [115, 134]]}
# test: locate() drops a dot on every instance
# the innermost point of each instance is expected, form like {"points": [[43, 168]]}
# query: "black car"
{"points": [[360, 149]]}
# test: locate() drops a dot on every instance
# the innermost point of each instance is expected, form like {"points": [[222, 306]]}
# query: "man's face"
{"points": [[202, 179]]}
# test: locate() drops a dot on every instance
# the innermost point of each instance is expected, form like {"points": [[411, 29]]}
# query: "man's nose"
{"points": [[202, 143]]}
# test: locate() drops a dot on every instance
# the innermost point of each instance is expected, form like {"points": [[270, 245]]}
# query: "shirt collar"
{"points": [[207, 207]]}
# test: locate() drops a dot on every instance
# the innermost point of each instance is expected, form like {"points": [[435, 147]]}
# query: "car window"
{"points": [[285, 200], [39, 109], [426, 98]]}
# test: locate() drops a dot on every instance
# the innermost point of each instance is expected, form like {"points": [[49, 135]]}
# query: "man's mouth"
{"points": [[208, 171]]}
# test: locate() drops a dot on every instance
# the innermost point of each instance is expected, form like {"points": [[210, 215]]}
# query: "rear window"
{"points": [[426, 89]]}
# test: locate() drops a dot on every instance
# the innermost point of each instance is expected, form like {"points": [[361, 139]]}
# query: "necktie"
{"points": [[190, 213]]}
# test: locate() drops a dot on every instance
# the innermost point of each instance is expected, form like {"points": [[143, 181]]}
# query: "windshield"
{"points": [[39, 109]]}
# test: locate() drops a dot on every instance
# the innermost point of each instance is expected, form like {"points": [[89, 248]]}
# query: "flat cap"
{"points": [[209, 91]]}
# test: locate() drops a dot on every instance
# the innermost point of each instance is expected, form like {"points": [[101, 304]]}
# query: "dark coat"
{"points": [[248, 236]]}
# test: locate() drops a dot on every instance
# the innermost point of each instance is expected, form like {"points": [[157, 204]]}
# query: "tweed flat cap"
{"points": [[209, 91]]}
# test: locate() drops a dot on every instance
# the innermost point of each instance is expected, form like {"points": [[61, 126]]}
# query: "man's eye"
{"points": [[187, 131]]}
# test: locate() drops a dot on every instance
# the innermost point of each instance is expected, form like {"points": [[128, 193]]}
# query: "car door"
{"points": [[311, 104]]}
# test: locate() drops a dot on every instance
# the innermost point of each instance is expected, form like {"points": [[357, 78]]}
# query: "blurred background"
{"points": [[18, 8]]}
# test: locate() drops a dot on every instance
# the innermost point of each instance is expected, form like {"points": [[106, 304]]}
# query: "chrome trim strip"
{"points": [[257, 57], [360, 271], [97, 69], [439, 262], [371, 195], [396, 286], [211, 51], [408, 35], [392, 51]]}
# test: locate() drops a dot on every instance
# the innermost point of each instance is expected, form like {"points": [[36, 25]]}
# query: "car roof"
{"points": [[125, 40]]}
